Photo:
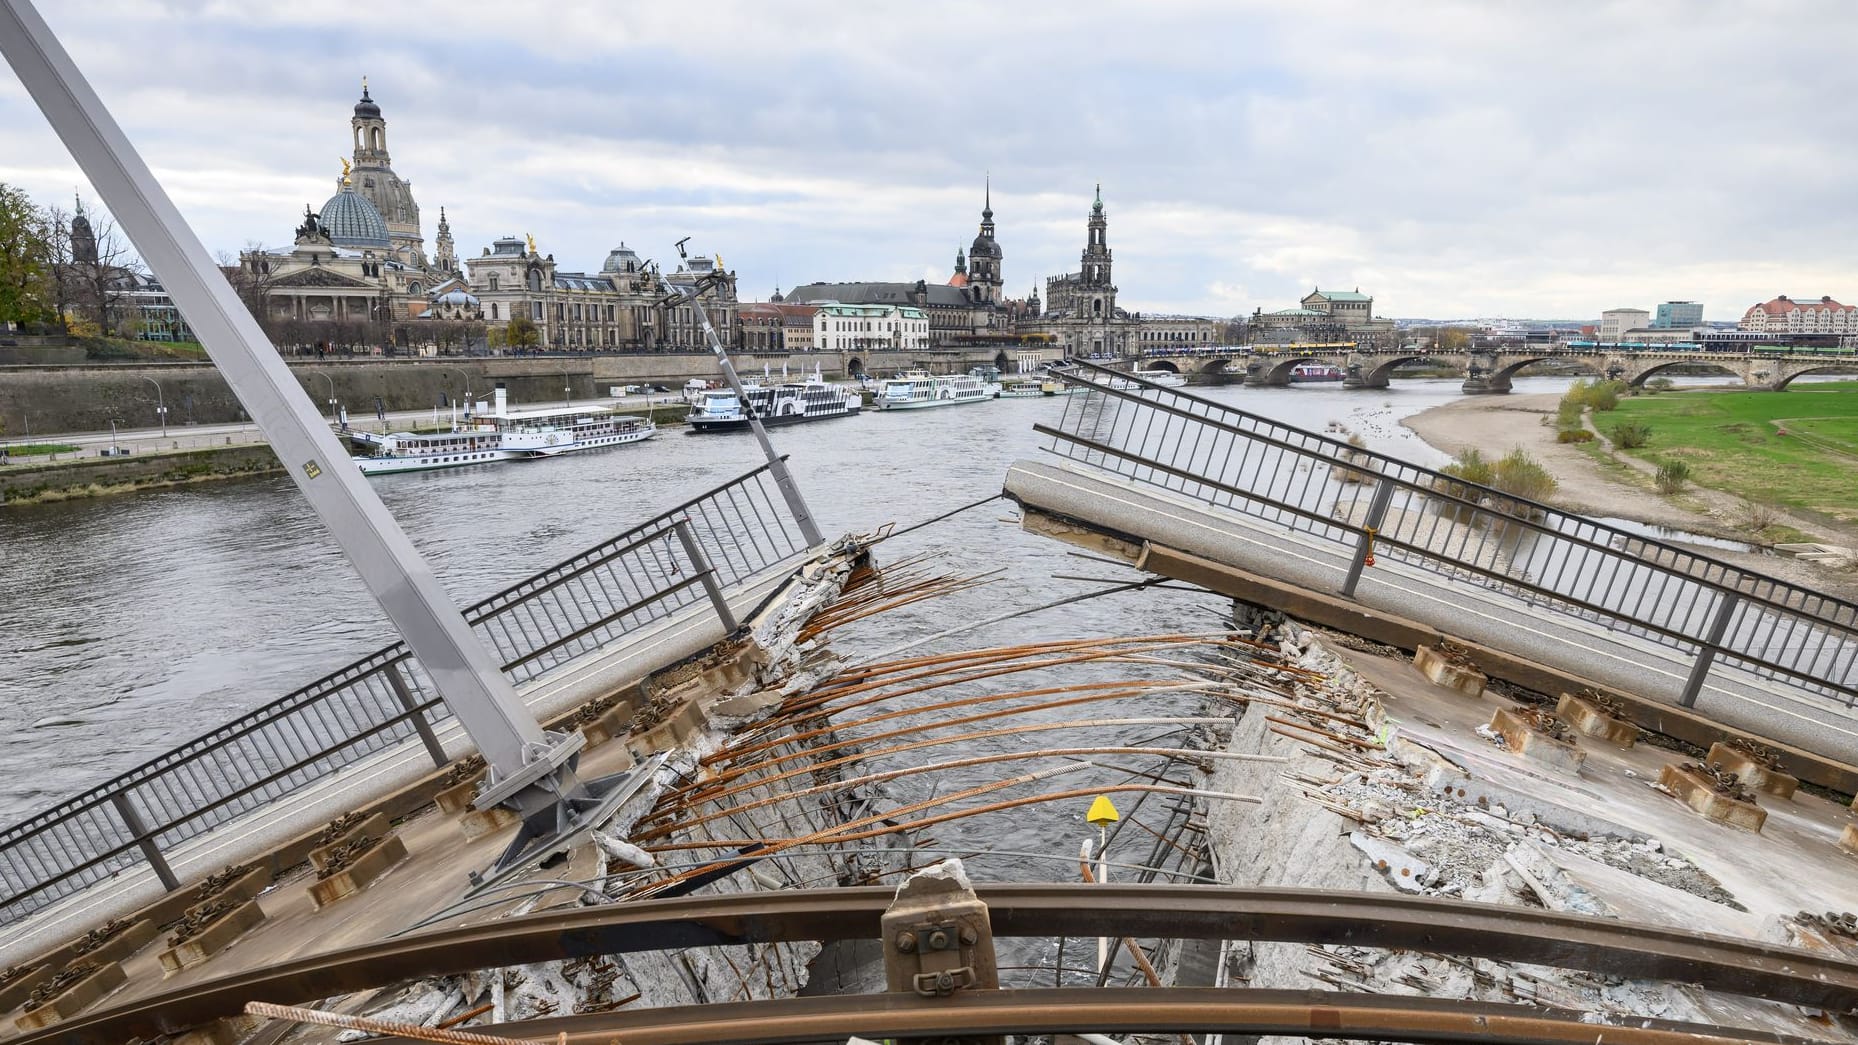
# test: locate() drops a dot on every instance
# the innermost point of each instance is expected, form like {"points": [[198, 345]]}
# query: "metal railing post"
{"points": [[404, 694], [1377, 513], [1705, 656], [150, 851], [701, 562]]}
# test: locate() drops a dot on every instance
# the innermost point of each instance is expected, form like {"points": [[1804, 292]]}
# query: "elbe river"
{"points": [[150, 618]]}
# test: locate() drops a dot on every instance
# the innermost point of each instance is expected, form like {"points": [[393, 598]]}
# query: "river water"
{"points": [[142, 620]]}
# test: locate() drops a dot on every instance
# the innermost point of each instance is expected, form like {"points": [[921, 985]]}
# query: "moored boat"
{"points": [[504, 435], [814, 399], [917, 389]]}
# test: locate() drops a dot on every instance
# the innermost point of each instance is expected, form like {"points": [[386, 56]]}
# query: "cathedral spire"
{"points": [[987, 207]]}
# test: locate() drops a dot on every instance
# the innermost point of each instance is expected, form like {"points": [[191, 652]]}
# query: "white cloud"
{"points": [[1453, 158]]}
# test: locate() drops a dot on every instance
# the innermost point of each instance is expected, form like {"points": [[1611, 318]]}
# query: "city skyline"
{"points": [[1420, 157]]}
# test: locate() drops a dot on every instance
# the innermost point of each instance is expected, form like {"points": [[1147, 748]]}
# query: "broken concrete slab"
{"points": [[1406, 871], [1699, 794]]}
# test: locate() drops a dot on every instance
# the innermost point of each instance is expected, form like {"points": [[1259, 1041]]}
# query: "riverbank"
{"points": [[64, 476], [80, 477], [1595, 481]]}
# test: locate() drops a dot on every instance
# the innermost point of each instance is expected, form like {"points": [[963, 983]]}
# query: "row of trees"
{"points": [[64, 271]]}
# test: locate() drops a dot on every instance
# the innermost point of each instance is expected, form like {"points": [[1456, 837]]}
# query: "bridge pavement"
{"points": [[668, 641], [1106, 504]]}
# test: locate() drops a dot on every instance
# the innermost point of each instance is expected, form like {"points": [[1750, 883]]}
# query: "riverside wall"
{"points": [[93, 476], [87, 398]]}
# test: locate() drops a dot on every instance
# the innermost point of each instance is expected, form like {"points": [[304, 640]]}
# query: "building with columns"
{"points": [[618, 308]]}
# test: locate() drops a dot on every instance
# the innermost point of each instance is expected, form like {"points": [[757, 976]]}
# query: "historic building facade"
{"points": [[358, 275], [839, 327], [1784, 315], [1324, 316], [1080, 307], [969, 308], [619, 308]]}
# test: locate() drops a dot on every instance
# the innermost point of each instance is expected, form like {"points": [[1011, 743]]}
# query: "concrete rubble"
{"points": [[1409, 811]]}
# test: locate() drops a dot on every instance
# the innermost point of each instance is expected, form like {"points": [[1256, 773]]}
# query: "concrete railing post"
{"points": [[1719, 626], [701, 563], [1364, 548], [404, 694], [150, 851]]}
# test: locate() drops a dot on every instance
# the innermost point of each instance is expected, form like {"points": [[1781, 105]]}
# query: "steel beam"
{"points": [[1598, 945], [1123, 1010], [463, 671]]}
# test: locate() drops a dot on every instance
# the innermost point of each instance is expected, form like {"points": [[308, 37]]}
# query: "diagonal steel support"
{"points": [[532, 771]]}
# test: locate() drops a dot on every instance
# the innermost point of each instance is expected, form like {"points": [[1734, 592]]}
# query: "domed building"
{"points": [[375, 181], [353, 222]]}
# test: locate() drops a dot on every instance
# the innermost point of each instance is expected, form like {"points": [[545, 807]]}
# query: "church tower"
{"points": [[1097, 247], [444, 258], [83, 237], [984, 255], [374, 179]]}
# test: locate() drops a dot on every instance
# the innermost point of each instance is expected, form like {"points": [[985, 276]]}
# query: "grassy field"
{"points": [[35, 449], [1797, 448]]}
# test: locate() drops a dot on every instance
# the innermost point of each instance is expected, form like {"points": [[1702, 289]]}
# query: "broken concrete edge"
{"points": [[1340, 614]]}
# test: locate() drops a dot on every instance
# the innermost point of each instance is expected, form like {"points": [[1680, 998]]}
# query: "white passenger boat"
{"points": [[505, 435], [814, 399], [917, 389]]}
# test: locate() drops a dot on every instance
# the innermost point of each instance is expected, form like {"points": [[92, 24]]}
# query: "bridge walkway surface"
{"points": [[1189, 488], [583, 629]]}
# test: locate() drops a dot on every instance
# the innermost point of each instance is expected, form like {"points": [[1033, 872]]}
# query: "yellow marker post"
{"points": [[1102, 813]]}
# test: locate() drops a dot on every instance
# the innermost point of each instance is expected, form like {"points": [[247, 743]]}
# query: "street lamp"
{"points": [[161, 405], [467, 384], [331, 381], [567, 387]]}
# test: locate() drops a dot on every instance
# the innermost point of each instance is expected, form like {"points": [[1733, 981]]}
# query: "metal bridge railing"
{"points": [[682, 557], [1372, 504]]}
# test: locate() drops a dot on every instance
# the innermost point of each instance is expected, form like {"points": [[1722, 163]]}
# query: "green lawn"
{"points": [[34, 449], [1797, 448]]}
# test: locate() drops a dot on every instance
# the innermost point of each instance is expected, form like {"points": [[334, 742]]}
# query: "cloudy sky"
{"points": [[1454, 159]]}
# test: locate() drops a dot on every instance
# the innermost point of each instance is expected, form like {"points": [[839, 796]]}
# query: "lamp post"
{"points": [[161, 405], [567, 387], [467, 384], [331, 381]]}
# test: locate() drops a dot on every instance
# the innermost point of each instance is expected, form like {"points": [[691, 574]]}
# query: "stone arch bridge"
{"points": [[1487, 372]]}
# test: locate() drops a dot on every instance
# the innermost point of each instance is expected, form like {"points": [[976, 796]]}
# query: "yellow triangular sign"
{"points": [[1103, 811]]}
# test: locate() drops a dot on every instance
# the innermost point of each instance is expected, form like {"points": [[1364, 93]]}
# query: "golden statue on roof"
{"points": [[344, 162], [531, 238]]}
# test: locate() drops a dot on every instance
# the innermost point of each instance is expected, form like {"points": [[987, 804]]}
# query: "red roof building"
{"points": [[1787, 316]]}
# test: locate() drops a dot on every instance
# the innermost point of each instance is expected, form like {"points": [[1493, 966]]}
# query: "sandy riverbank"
{"points": [[1496, 424]]}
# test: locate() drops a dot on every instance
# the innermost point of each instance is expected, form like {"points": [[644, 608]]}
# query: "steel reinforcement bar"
{"points": [[1597, 945], [1119, 1010], [667, 563]]}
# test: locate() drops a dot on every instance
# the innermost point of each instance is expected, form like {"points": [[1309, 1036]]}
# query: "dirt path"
{"points": [[1497, 424]]}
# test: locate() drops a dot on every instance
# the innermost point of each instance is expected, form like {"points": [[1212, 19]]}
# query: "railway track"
{"points": [[1602, 946]]}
